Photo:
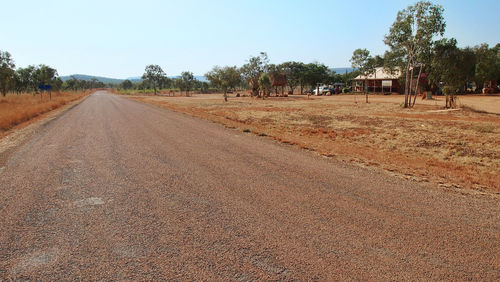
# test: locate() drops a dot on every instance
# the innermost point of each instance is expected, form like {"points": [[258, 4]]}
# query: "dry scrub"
{"points": [[460, 148], [19, 108]]}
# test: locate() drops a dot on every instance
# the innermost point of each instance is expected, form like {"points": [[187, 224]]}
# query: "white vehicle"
{"points": [[322, 90]]}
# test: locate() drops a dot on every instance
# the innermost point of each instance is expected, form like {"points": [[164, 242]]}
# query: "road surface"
{"points": [[114, 189]]}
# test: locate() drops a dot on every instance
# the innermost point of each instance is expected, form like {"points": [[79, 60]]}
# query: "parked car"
{"points": [[323, 90]]}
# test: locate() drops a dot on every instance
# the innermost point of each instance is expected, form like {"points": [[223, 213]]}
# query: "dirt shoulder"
{"points": [[11, 139], [453, 149]]}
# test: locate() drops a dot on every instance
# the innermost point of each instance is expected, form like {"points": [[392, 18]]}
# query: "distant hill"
{"points": [[342, 70], [197, 77], [108, 80], [89, 77]]}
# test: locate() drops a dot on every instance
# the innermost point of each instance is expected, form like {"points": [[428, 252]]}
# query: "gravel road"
{"points": [[114, 189]]}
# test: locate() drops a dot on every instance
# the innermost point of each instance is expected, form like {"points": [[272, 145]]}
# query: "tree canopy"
{"points": [[411, 37], [154, 75], [224, 78], [6, 72]]}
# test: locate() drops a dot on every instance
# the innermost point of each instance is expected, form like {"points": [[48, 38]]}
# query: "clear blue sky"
{"points": [[118, 38]]}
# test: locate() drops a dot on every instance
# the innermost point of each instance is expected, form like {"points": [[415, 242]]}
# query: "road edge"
{"points": [[21, 133]]}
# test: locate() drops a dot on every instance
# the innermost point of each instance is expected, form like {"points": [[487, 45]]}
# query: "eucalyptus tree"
{"points": [[224, 78], [46, 75], [447, 68], [126, 84], [253, 70], [411, 37], [293, 71], [365, 64], [7, 74], [315, 73], [154, 75], [25, 79], [487, 65], [265, 84], [186, 81]]}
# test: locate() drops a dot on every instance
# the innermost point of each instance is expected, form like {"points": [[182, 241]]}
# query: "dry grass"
{"points": [[458, 147], [19, 108]]}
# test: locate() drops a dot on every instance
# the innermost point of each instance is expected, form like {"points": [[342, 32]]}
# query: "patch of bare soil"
{"points": [[453, 148]]}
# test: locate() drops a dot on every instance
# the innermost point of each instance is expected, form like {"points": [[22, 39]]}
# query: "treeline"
{"points": [[156, 79], [257, 74], [427, 62], [28, 79]]}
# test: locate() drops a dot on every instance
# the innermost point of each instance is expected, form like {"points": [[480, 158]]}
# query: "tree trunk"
{"points": [[416, 87], [366, 92], [225, 95], [411, 86], [406, 85]]}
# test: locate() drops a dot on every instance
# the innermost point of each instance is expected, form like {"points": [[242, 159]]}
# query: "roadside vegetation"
{"points": [[33, 90], [22, 107]]}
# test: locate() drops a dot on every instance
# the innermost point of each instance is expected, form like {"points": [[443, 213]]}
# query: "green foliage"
{"points": [[254, 69], [224, 78], [488, 63], [185, 82], [294, 73], [365, 63], [265, 84], [315, 73], [126, 84], [25, 79], [7, 74], [73, 83], [411, 37], [45, 75], [154, 75], [452, 65]]}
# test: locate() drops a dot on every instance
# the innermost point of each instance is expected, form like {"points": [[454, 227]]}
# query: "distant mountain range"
{"points": [[89, 77], [342, 70], [108, 80]]}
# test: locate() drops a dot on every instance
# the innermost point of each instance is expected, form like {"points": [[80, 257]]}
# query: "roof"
{"points": [[380, 73]]}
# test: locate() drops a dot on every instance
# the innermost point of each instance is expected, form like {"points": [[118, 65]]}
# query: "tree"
{"points": [[365, 64], [487, 65], [253, 70], [446, 67], [126, 84], [185, 82], [265, 84], [378, 61], [224, 78], [411, 36], [154, 75], [293, 71], [25, 79], [6, 72], [45, 75], [314, 73]]}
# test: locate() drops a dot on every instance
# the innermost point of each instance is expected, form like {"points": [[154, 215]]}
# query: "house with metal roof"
{"points": [[380, 81]]}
